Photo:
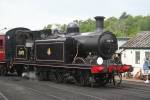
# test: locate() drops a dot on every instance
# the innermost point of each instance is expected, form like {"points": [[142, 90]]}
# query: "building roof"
{"points": [[141, 40]]}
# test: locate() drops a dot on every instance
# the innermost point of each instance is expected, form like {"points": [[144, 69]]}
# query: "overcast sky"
{"points": [[35, 14]]}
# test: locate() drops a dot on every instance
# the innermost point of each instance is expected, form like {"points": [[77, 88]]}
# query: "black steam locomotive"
{"points": [[81, 58]]}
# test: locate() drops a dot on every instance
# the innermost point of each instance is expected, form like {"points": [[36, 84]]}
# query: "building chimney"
{"points": [[99, 23]]}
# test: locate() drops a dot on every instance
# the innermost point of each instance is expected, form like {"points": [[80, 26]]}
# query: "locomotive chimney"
{"points": [[99, 23]]}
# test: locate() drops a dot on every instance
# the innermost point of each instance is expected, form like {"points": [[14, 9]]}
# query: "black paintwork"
{"points": [[10, 44]]}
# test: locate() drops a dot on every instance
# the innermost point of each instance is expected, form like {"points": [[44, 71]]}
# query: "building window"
{"points": [[137, 57], [147, 54]]}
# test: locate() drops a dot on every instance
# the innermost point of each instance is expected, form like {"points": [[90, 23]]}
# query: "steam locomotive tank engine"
{"points": [[78, 55]]}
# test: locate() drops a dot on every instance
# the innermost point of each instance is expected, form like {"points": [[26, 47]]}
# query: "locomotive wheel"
{"points": [[92, 81], [84, 78], [82, 75], [41, 74], [3, 70], [117, 79], [59, 77], [19, 72], [103, 79], [19, 69]]}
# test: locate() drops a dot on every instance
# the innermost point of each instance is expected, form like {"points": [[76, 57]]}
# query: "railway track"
{"points": [[2, 96], [56, 93], [71, 92]]}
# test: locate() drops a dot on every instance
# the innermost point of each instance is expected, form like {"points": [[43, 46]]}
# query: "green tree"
{"points": [[145, 23], [63, 27], [124, 26], [87, 25], [49, 26]]}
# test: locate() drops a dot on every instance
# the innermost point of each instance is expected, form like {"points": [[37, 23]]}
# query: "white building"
{"points": [[122, 40], [135, 50]]}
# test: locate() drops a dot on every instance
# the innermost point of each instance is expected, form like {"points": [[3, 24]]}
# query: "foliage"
{"points": [[49, 26], [124, 26], [84, 25]]}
